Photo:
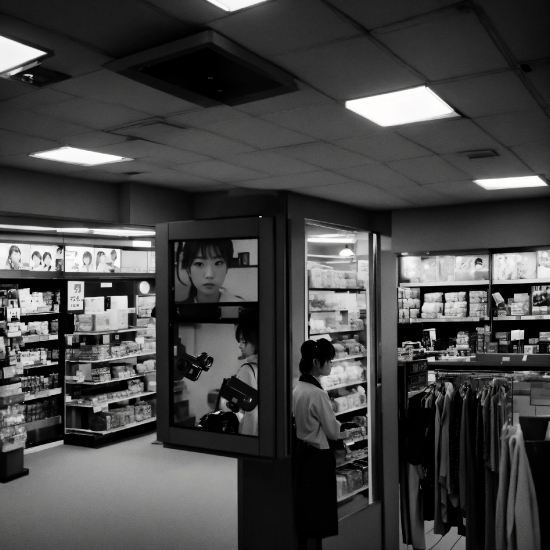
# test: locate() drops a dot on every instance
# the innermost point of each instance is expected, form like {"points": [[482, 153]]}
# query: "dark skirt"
{"points": [[316, 510]]}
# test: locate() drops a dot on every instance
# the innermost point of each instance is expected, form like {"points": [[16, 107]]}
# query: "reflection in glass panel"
{"points": [[216, 337]]}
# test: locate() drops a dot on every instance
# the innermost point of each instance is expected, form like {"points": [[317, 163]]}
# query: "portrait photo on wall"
{"points": [[209, 271], [15, 256], [107, 260], [79, 259], [472, 268], [43, 257]]}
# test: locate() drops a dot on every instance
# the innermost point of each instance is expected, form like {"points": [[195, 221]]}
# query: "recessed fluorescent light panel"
{"points": [[14, 55], [511, 183], [404, 107], [234, 5], [80, 157]]}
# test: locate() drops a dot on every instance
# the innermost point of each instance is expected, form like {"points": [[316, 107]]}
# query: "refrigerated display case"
{"points": [[339, 309]]}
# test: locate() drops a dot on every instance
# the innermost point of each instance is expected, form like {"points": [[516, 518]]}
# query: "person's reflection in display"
{"points": [[247, 336], [206, 263]]}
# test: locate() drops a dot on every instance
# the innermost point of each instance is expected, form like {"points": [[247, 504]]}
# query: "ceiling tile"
{"points": [[325, 155], [536, 156], [172, 178], [138, 148], [378, 175], [272, 163], [357, 194], [350, 69], [384, 147], [38, 125], [209, 188], [120, 167], [514, 129], [13, 143], [505, 165], [194, 12], [449, 136], [122, 27], [93, 140], [195, 140], [258, 133], [283, 26], [98, 175], [420, 196], [486, 95], [304, 97], [467, 191], [427, 170], [218, 170], [326, 122], [376, 14], [9, 89], [200, 118], [109, 87], [36, 98], [294, 181], [445, 45], [523, 26], [540, 78], [92, 114]]}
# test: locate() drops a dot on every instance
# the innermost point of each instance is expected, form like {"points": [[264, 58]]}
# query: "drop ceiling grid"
{"points": [[272, 163], [377, 175], [284, 26], [220, 171], [445, 46], [350, 69], [427, 170], [296, 181]]}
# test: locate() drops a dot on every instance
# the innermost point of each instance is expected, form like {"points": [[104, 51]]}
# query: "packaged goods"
{"points": [[433, 297], [94, 304], [354, 478], [101, 322], [341, 404], [478, 310], [118, 319], [118, 302], [341, 486], [455, 296], [544, 336], [530, 349], [432, 307]]}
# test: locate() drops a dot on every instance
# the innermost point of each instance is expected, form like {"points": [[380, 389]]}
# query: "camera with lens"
{"points": [[192, 367]]}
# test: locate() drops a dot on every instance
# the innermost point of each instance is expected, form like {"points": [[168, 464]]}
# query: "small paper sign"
{"points": [[75, 297]]}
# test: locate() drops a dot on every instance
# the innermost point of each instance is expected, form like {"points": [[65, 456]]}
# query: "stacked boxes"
{"points": [[540, 300], [478, 303], [455, 304], [483, 339], [432, 308], [408, 300], [519, 305]]}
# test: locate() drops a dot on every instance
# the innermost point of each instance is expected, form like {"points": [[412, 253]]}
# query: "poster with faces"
{"points": [[15, 256], [42, 257], [543, 264], [107, 260], [79, 259]]}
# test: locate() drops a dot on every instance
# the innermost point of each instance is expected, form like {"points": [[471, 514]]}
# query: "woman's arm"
{"points": [[322, 410]]}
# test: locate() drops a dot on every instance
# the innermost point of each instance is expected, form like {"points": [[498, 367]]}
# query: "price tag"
{"points": [[505, 359], [539, 316], [524, 358], [97, 409], [106, 285]]}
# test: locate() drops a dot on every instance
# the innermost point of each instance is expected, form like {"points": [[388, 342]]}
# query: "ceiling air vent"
{"points": [[481, 154], [206, 69]]}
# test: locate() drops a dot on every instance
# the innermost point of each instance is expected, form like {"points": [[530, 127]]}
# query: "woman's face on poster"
{"points": [[47, 260], [208, 274]]}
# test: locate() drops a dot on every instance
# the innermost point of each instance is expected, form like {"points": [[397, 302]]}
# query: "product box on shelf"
{"points": [[117, 302], [530, 349], [118, 319], [84, 323], [94, 304], [101, 321]]}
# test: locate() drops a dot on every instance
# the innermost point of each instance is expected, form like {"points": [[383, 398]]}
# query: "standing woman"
{"points": [[247, 337], [316, 426]]}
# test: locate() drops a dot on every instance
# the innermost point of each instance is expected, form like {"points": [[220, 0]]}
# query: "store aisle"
{"points": [[133, 495], [451, 541]]}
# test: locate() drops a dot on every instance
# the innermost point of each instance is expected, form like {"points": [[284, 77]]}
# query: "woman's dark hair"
{"points": [[248, 333], [114, 252], [321, 349], [87, 255], [478, 261], [189, 250], [36, 253], [13, 248], [99, 254], [47, 254]]}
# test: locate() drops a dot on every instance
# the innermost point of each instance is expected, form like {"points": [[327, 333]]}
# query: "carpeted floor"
{"points": [[132, 495]]}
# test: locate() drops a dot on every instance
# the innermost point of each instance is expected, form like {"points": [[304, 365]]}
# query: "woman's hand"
{"points": [[343, 435]]}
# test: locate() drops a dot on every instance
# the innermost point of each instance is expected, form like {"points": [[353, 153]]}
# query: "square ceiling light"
{"points": [[234, 5], [511, 183], [80, 157], [206, 69], [14, 55], [403, 107]]}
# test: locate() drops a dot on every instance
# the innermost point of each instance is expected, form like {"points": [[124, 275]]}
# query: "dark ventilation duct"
{"points": [[206, 69]]}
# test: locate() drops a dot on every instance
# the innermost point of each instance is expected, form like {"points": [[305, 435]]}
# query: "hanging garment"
{"points": [[477, 509], [428, 483], [417, 536], [503, 487], [522, 517], [444, 461], [454, 448], [440, 528]]}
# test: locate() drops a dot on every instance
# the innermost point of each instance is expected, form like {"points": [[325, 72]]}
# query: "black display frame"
{"points": [[261, 228]]}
